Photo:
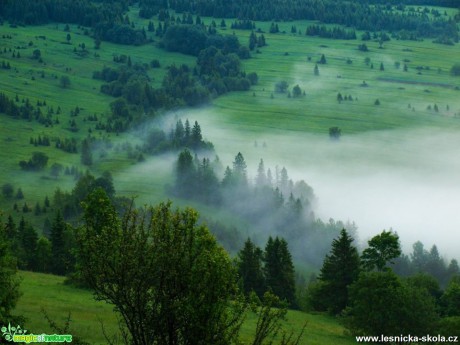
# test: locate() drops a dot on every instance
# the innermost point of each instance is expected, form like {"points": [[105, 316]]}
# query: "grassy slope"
{"points": [[48, 292], [240, 111]]}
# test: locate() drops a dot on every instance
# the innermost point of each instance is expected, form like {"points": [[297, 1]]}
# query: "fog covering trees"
{"points": [[373, 299], [272, 205], [166, 275]]}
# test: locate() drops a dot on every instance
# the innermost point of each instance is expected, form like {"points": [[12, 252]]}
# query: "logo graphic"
{"points": [[18, 335]]}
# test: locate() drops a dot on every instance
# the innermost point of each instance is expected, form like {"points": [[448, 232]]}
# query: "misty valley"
{"points": [[194, 172]]}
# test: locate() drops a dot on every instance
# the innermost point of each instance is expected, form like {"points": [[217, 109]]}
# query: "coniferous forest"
{"points": [[230, 172]]}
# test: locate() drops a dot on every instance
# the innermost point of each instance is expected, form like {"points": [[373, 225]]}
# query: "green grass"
{"points": [[250, 114], [44, 291]]}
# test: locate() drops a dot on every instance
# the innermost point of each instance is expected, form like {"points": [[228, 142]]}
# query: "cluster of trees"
{"points": [[217, 71], [192, 39], [256, 41], [180, 137], [361, 16], [164, 273], [364, 287], [50, 253], [336, 32], [426, 261], [104, 17], [270, 201], [37, 162], [268, 270], [243, 25], [182, 286], [24, 111]]}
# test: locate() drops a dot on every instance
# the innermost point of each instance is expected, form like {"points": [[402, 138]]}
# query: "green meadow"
{"points": [[404, 96], [233, 122], [48, 292]]}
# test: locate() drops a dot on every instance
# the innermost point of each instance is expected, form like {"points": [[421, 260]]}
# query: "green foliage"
{"points": [[9, 283], [281, 86], [7, 190], [250, 269], [455, 70], [335, 132], [62, 262], [279, 270], [186, 39], [270, 314], [382, 249], [340, 269], [189, 293], [449, 326], [37, 162], [64, 82], [450, 300], [381, 304]]}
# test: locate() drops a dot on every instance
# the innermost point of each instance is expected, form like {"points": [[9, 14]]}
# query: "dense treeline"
{"points": [[442, 3], [426, 261], [192, 39], [335, 32], [104, 17], [271, 202], [364, 287], [359, 15]]}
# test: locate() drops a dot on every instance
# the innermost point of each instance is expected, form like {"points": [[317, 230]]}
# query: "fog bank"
{"points": [[407, 180]]}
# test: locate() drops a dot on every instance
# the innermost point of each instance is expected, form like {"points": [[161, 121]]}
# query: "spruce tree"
{"points": [[340, 269], [250, 269], [58, 245], [239, 169], [261, 179], [279, 270]]}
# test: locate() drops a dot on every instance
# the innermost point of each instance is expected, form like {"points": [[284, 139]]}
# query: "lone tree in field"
{"points": [[64, 82], [455, 70], [7, 190], [322, 61], [316, 70], [335, 133], [166, 275]]}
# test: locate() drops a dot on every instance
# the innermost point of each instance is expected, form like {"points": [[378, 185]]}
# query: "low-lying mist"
{"points": [[407, 180]]}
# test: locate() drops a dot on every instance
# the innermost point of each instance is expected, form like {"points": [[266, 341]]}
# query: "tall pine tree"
{"points": [[250, 268], [340, 269], [279, 270]]}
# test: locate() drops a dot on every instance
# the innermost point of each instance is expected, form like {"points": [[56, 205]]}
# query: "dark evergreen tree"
{"points": [[322, 61], [86, 152], [340, 269], [250, 269], [58, 245], [185, 174], [239, 169], [196, 138], [279, 270], [261, 179]]}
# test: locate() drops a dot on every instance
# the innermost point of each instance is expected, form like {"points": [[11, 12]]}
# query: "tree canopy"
{"points": [[183, 288]]}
